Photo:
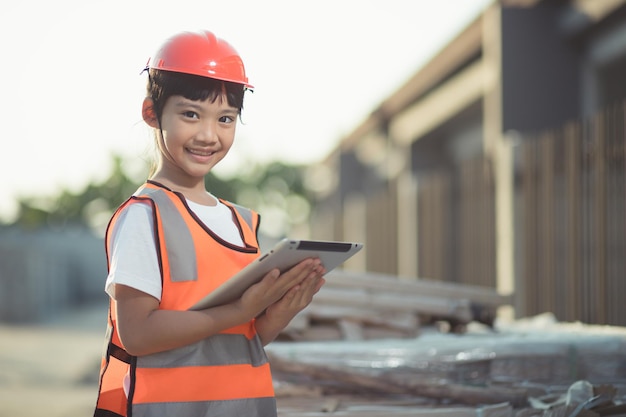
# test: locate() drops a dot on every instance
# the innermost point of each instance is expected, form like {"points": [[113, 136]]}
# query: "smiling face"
{"points": [[196, 135]]}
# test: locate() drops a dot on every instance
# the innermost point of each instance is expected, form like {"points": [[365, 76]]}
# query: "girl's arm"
{"points": [[144, 328]]}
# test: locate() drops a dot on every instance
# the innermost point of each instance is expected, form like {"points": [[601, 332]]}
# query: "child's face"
{"points": [[196, 135]]}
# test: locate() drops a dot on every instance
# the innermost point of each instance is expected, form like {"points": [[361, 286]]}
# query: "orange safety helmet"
{"points": [[200, 53]]}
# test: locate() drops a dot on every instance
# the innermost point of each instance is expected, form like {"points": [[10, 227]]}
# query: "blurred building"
{"points": [[44, 272], [499, 163]]}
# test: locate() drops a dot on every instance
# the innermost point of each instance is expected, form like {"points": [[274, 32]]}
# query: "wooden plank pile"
{"points": [[580, 399], [337, 379], [526, 369], [472, 376], [371, 345], [361, 306]]}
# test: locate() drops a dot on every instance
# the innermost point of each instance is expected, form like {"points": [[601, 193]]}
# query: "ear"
{"points": [[149, 114]]}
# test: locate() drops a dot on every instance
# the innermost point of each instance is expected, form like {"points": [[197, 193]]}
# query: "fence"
{"points": [[572, 184], [570, 233], [456, 214]]}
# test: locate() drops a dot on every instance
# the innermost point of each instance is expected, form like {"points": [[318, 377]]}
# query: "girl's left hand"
{"points": [[296, 298]]}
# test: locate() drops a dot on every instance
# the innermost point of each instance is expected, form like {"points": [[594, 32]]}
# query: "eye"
{"points": [[227, 119], [191, 114]]}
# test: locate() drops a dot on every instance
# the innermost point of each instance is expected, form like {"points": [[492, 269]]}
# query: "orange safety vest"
{"points": [[225, 374]]}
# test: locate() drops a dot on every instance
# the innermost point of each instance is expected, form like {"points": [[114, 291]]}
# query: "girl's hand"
{"points": [[278, 315], [296, 298], [275, 286]]}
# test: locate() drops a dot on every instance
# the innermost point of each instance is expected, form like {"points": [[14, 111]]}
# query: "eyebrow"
{"points": [[194, 105], [188, 103]]}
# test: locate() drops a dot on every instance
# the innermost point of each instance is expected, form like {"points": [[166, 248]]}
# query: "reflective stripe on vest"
{"points": [[224, 348], [178, 240], [262, 407], [227, 373]]}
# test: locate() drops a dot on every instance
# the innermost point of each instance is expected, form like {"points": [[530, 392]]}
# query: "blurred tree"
{"points": [[77, 209], [276, 190]]}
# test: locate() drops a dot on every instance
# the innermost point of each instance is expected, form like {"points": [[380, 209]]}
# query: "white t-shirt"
{"points": [[134, 259]]}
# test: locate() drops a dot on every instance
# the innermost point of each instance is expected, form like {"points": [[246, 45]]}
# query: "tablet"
{"points": [[284, 255]]}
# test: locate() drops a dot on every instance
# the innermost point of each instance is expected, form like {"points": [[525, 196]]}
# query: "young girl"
{"points": [[172, 242]]}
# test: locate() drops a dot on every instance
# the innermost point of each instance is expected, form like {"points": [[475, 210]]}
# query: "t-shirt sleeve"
{"points": [[134, 260]]}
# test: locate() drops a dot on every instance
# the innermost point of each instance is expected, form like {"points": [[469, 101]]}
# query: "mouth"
{"points": [[200, 152]]}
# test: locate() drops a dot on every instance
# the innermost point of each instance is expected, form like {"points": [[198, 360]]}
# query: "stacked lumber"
{"points": [[532, 367], [362, 306], [343, 379], [523, 368]]}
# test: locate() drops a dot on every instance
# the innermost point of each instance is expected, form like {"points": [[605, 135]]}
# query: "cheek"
{"points": [[170, 137], [161, 142], [228, 139], [166, 143]]}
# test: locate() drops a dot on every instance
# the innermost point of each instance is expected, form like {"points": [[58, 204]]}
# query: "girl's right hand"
{"points": [[274, 285]]}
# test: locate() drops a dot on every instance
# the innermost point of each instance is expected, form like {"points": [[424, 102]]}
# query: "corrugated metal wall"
{"points": [[382, 232], [573, 234], [456, 218]]}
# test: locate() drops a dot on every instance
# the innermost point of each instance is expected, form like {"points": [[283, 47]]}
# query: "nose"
{"points": [[207, 132]]}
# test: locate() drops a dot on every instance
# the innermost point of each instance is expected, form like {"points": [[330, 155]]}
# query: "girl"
{"points": [[172, 242]]}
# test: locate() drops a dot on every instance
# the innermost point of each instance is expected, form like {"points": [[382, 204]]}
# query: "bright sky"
{"points": [[71, 85]]}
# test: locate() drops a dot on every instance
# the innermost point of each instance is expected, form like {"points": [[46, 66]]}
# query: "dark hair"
{"points": [[164, 84]]}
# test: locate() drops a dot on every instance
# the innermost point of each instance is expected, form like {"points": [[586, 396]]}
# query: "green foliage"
{"points": [[69, 208], [276, 188]]}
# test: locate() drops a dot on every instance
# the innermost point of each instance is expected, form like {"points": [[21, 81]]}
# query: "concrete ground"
{"points": [[51, 369]]}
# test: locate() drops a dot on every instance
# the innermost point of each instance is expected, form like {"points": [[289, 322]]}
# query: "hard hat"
{"points": [[200, 53]]}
